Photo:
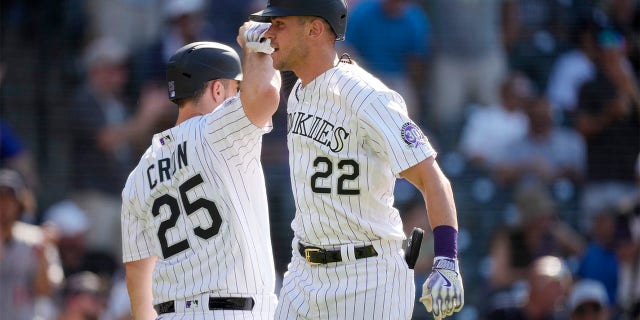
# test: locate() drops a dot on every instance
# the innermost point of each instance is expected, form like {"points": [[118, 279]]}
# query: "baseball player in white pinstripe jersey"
{"points": [[349, 139], [195, 220]]}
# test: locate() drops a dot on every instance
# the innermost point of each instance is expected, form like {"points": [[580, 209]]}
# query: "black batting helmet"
{"points": [[198, 62], [334, 11]]}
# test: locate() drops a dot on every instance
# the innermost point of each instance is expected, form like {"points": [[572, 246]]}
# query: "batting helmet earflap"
{"points": [[334, 11], [198, 62]]}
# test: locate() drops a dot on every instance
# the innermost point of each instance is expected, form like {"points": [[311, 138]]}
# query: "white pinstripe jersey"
{"points": [[197, 201], [349, 137]]}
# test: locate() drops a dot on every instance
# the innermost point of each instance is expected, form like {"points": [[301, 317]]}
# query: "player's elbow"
{"points": [[435, 178], [265, 99], [270, 97]]}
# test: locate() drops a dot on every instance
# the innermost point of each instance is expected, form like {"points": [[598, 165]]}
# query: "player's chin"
{"points": [[278, 64]]}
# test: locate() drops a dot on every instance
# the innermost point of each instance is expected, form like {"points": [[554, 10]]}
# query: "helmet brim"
{"points": [[260, 17], [270, 12]]}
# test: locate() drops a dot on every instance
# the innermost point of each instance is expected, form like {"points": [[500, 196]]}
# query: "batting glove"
{"points": [[254, 37], [442, 292]]}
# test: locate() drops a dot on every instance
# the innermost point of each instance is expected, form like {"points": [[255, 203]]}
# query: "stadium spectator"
{"points": [[608, 117], [133, 22], [469, 60], [118, 303], [537, 232], [13, 153], [399, 63], [627, 249], [548, 153], [183, 22], [30, 270], [574, 67], [543, 28], [625, 18], [599, 261], [548, 282], [588, 301], [628, 253], [72, 226], [82, 297], [490, 129]]}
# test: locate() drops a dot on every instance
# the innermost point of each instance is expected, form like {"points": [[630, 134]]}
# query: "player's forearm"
{"points": [[440, 204], [436, 189], [441, 207], [260, 89], [139, 282]]}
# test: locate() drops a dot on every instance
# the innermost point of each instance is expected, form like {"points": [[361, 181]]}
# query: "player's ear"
{"points": [[316, 28], [217, 91]]}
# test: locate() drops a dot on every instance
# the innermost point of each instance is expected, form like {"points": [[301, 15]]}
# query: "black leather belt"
{"points": [[215, 303], [315, 255]]}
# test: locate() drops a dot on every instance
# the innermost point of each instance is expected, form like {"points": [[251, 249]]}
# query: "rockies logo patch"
{"points": [[172, 89], [412, 135]]}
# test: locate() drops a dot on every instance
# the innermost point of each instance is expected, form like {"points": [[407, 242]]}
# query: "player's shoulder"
{"points": [[137, 174], [350, 75], [131, 183], [231, 110], [351, 71], [359, 85], [231, 104]]}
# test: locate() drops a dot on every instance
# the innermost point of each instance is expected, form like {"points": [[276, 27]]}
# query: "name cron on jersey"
{"points": [[318, 129], [162, 170]]}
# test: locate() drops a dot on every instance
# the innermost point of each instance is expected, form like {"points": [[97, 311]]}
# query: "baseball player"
{"points": [[349, 139], [195, 226]]}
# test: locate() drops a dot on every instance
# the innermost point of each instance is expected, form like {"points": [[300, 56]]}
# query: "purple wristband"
{"points": [[445, 241]]}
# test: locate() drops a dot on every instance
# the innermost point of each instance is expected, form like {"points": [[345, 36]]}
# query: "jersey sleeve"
{"points": [[392, 134], [136, 243], [230, 132]]}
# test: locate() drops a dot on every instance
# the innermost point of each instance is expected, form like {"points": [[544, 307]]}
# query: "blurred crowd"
{"points": [[533, 105]]}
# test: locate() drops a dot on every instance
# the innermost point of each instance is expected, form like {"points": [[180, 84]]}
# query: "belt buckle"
{"points": [[307, 255]]}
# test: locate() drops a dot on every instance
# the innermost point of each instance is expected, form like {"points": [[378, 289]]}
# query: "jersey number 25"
{"points": [[190, 207]]}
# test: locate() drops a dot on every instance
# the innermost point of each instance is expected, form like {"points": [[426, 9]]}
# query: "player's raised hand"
{"points": [[442, 292], [251, 36]]}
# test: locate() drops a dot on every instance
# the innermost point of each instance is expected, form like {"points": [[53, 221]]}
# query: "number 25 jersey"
{"points": [[197, 201]]}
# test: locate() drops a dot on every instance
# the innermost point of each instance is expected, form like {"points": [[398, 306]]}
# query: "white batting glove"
{"points": [[254, 37], [442, 292]]}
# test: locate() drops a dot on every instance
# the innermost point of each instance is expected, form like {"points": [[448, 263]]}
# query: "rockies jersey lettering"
{"points": [[349, 137], [197, 200], [318, 129]]}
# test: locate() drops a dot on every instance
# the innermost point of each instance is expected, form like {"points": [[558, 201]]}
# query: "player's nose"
{"points": [[270, 34]]}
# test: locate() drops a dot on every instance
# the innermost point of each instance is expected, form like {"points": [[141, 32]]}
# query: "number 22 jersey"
{"points": [[349, 137]]}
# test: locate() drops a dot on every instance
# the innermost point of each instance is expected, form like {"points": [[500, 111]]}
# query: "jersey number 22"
{"points": [[343, 179]]}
